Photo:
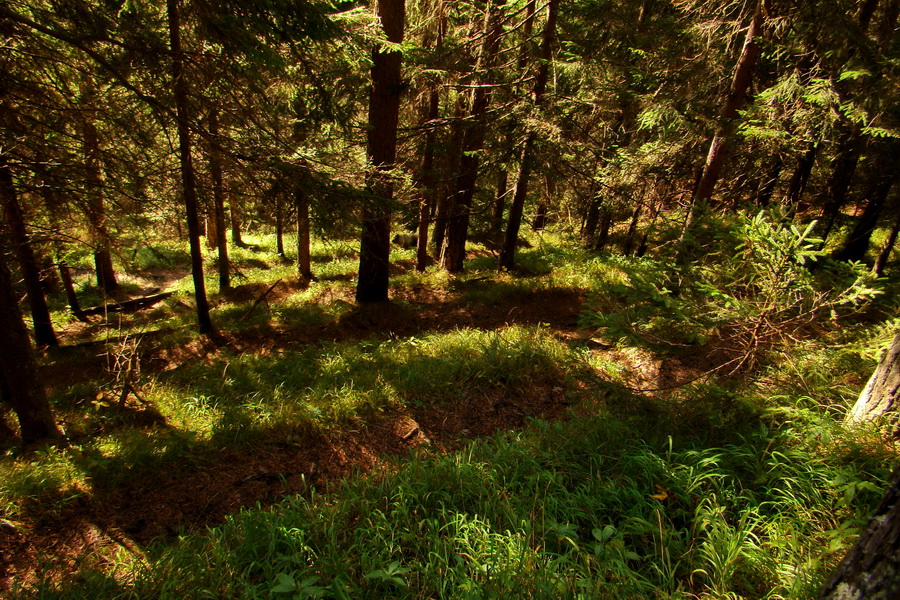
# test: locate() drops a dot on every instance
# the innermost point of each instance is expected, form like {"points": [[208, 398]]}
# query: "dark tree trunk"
{"points": [[737, 93], [800, 177], [740, 84], [606, 220], [500, 200], [508, 252], [591, 221], [540, 217], [767, 185], [189, 186], [883, 178], [453, 253], [71, 297], [236, 238], [632, 229], [428, 178], [381, 148], [96, 211], [871, 570], [888, 247], [279, 226], [452, 160], [304, 262], [218, 189], [18, 232], [20, 384], [880, 399], [843, 167]]}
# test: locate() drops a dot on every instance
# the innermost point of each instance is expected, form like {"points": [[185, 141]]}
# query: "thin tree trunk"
{"points": [[632, 229], [20, 384], [508, 252], [96, 211], [888, 247], [591, 221], [215, 169], [428, 182], [843, 167], [71, 297], [304, 262], [883, 178], [453, 253], [15, 224], [800, 177], [236, 223], [740, 84], [500, 200], [189, 186], [381, 149], [279, 226]]}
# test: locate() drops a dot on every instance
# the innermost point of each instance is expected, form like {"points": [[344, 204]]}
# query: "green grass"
{"points": [[595, 508], [745, 488]]}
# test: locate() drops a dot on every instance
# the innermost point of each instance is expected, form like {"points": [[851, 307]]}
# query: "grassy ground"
{"points": [[470, 441]]}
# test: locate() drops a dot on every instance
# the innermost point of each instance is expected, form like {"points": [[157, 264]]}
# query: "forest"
{"points": [[428, 299]]}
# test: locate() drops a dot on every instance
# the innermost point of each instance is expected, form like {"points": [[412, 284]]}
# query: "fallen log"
{"points": [[132, 305]]}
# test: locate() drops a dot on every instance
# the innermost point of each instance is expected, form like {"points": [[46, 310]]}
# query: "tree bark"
{"points": [[279, 225], [96, 211], [20, 384], [871, 570], [453, 253], [381, 149], [843, 167], [21, 241], [883, 178], [304, 261], [888, 247], [740, 84], [800, 177], [71, 297], [189, 186], [880, 399], [516, 210], [215, 168]]}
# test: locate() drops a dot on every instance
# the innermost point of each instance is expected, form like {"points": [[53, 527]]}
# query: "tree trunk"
{"points": [[500, 200], [279, 225], [453, 253], [871, 570], [15, 224], [304, 262], [215, 170], [20, 384], [880, 399], [740, 84], [189, 186], [96, 211], [591, 221], [843, 167], [381, 149], [428, 179], [508, 252], [883, 178], [888, 247], [236, 238], [801, 175], [71, 297]]}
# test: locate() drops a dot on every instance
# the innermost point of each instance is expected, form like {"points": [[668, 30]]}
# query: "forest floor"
{"points": [[164, 504], [64, 536]]}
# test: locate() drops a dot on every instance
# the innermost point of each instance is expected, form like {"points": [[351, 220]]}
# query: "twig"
{"points": [[258, 300]]}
